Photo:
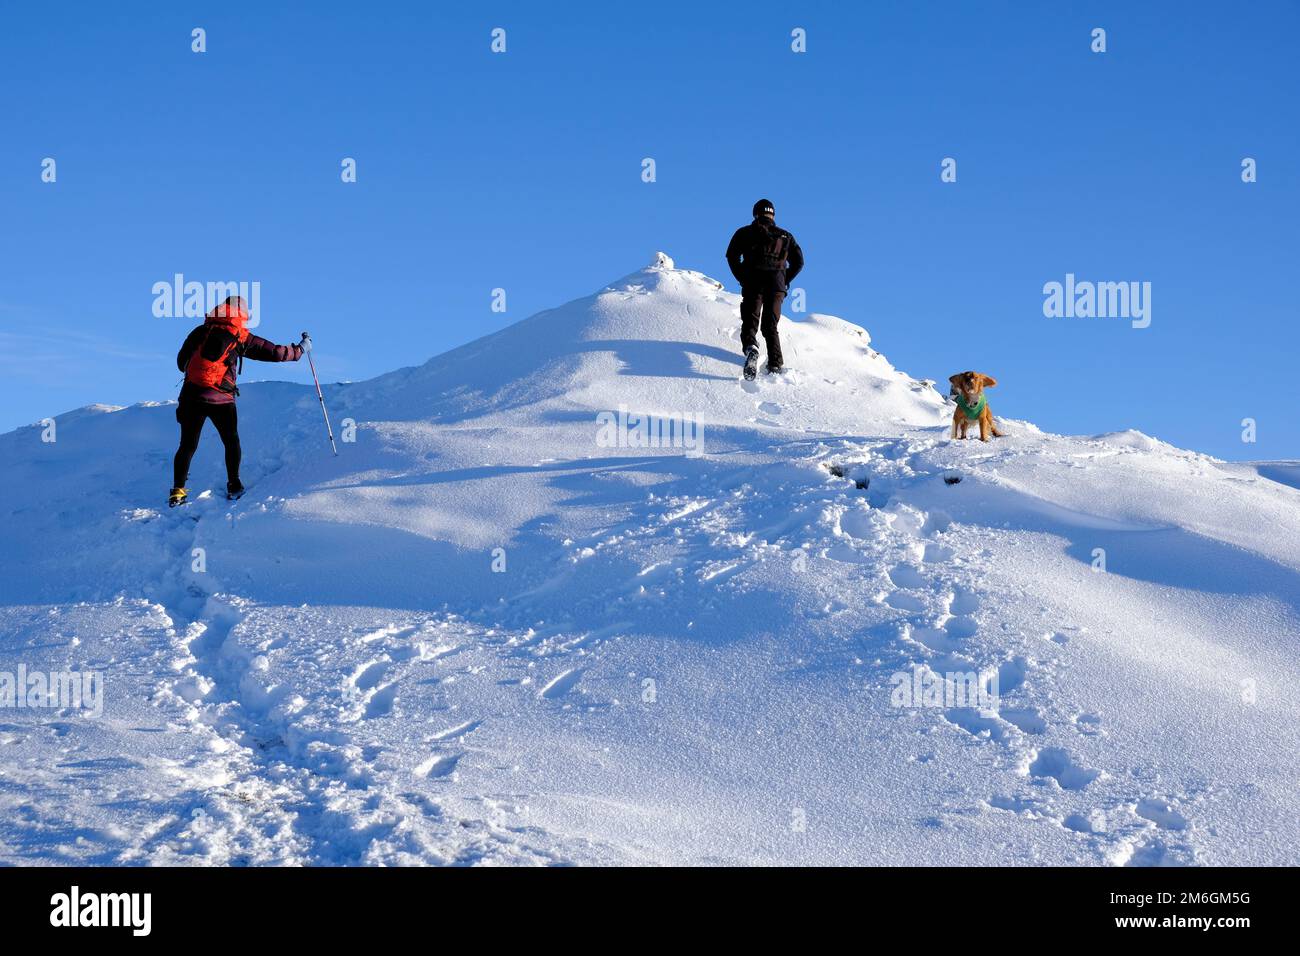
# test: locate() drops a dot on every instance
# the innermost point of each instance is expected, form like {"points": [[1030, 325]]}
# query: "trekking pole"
{"points": [[328, 430]]}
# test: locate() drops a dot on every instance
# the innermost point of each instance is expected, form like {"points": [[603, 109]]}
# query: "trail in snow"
{"points": [[308, 784]]}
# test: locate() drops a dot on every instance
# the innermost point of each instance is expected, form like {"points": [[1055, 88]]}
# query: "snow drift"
{"points": [[487, 632]]}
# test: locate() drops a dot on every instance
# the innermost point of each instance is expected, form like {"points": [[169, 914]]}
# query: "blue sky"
{"points": [[522, 171]]}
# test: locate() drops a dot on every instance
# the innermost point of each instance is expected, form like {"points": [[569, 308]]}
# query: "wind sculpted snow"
{"points": [[488, 633]]}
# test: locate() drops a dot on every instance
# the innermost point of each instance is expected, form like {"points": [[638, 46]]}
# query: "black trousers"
{"points": [[762, 310], [191, 416]]}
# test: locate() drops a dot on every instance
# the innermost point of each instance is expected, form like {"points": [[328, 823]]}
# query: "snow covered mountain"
{"points": [[503, 627]]}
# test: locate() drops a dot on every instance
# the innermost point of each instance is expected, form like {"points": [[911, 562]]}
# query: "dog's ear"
{"points": [[988, 380], [953, 378]]}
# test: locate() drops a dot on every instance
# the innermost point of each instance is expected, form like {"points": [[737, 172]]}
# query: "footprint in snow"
{"points": [[975, 723], [1027, 719], [1161, 813], [935, 638], [902, 601], [1011, 674], [937, 553], [439, 766], [847, 554], [961, 628], [1154, 852], [560, 685], [963, 602], [1088, 724], [369, 675], [857, 524], [1055, 763], [381, 702], [1083, 823], [1012, 803], [906, 576], [936, 522]]}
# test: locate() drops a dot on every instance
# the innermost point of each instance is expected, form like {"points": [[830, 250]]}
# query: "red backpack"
{"points": [[214, 360]]}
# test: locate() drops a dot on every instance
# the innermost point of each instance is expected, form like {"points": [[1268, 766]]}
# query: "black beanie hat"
{"points": [[764, 208]]}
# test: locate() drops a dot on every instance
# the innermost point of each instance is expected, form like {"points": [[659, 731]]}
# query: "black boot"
{"points": [[751, 363], [234, 489]]}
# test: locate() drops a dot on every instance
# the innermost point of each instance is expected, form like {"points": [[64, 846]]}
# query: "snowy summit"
{"points": [[576, 593]]}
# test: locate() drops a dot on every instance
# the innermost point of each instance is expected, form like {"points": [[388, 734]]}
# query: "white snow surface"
{"points": [[687, 659]]}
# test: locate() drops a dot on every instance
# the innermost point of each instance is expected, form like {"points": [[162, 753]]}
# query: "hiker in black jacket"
{"points": [[764, 258]]}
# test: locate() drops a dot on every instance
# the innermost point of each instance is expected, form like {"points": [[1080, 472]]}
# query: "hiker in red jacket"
{"points": [[209, 359]]}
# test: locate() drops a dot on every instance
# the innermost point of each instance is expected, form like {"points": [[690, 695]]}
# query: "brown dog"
{"points": [[968, 392]]}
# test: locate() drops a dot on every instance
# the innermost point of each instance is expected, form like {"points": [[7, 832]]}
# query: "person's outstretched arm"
{"points": [[734, 250], [260, 350], [795, 258]]}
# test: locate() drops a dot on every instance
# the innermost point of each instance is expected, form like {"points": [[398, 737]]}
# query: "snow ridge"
{"points": [[482, 636]]}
